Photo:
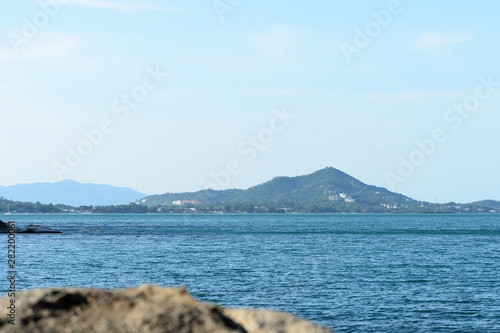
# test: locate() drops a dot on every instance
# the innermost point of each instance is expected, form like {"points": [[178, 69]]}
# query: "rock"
{"points": [[37, 229], [146, 309], [30, 229], [4, 227]]}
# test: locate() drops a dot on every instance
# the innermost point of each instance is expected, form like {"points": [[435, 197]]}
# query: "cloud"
{"points": [[432, 41], [170, 94], [406, 96], [285, 91], [275, 43], [26, 120], [52, 45], [120, 6]]}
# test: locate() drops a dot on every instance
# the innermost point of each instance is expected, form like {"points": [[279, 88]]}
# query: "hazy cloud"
{"points": [[53, 45], [275, 43], [406, 96], [120, 6], [433, 41]]}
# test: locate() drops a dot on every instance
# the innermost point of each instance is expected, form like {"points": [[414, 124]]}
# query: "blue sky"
{"points": [[232, 67]]}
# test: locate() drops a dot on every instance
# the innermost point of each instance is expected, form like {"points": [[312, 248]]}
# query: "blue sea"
{"points": [[352, 273]]}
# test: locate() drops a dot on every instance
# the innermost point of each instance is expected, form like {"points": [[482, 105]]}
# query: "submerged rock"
{"points": [[30, 229], [37, 229], [147, 308]]}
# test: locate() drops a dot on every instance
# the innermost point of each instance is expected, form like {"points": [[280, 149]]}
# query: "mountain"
{"points": [[489, 204], [325, 191], [70, 192], [323, 186]]}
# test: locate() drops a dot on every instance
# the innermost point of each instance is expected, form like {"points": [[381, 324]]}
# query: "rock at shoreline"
{"points": [[30, 229], [146, 309]]}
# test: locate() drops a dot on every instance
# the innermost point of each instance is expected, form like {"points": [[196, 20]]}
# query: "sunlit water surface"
{"points": [[352, 273]]}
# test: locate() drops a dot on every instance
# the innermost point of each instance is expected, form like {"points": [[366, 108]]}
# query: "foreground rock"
{"points": [[30, 229], [146, 309]]}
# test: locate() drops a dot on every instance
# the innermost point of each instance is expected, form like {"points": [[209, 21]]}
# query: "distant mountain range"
{"points": [[325, 191], [70, 192]]}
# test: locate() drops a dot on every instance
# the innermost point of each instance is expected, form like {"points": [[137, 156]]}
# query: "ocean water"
{"points": [[352, 273]]}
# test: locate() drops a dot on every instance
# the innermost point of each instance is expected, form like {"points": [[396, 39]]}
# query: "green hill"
{"points": [[323, 186], [325, 191], [488, 204], [205, 196]]}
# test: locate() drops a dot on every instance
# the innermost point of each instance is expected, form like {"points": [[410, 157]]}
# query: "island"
{"points": [[325, 191]]}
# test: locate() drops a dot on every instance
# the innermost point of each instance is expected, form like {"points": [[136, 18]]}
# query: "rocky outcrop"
{"points": [[37, 229], [30, 229], [146, 309]]}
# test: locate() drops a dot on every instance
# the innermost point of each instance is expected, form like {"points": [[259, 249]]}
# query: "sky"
{"points": [[173, 96]]}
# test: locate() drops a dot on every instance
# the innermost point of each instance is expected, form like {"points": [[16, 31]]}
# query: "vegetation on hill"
{"points": [[325, 191], [488, 204], [29, 207], [313, 189], [18, 207]]}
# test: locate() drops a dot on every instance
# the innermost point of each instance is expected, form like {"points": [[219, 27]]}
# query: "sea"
{"points": [[351, 273]]}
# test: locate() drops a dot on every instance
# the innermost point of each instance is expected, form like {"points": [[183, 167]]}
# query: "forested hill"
{"points": [[325, 191], [322, 186], [488, 204]]}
